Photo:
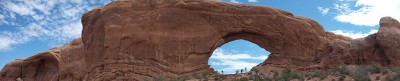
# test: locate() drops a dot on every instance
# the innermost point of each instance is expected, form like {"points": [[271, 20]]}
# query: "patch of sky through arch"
{"points": [[237, 54]]}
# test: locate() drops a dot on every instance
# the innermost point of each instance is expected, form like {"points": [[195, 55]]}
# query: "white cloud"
{"points": [[40, 5], [37, 17], [5, 43], [323, 11], [234, 1], [2, 20], [72, 30], [32, 30], [53, 21], [366, 12], [353, 34], [77, 1], [71, 12], [229, 55], [7, 39], [234, 61], [19, 8], [2, 16], [253, 1]]}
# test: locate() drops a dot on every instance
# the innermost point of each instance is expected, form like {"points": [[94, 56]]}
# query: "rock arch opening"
{"points": [[237, 56]]}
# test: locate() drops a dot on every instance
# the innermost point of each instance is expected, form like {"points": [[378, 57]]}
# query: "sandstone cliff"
{"points": [[129, 40]]}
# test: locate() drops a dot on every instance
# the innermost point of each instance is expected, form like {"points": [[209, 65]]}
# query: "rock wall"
{"points": [[130, 40]]}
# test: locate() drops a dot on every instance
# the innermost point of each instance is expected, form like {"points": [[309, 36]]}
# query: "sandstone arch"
{"points": [[179, 37], [132, 39]]}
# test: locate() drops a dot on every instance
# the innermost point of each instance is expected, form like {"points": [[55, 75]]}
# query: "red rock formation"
{"points": [[388, 40], [130, 40], [43, 66]]}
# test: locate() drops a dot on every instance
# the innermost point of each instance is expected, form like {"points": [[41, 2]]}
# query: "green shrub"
{"points": [[158, 79], [395, 77], [258, 78], [288, 74], [322, 74], [174, 79], [276, 74], [341, 71], [196, 75], [155, 79], [389, 78], [241, 79], [244, 79], [397, 71], [262, 78], [205, 75], [217, 77], [361, 74], [145, 79], [267, 79], [376, 68], [185, 78]]}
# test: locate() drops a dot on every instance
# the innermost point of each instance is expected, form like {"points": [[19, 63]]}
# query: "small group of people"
{"points": [[241, 70], [237, 71]]}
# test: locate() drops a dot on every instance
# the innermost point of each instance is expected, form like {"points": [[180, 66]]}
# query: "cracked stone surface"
{"points": [[133, 39]]}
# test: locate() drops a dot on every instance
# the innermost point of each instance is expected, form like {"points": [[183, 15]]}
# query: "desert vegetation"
{"points": [[372, 72]]}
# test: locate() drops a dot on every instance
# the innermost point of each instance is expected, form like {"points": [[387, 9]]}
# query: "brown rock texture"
{"points": [[388, 39], [133, 39]]}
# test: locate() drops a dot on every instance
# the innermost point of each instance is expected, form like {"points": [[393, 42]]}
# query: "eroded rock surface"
{"points": [[130, 40], [388, 39]]}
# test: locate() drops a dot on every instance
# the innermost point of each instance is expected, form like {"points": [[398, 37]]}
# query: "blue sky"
{"points": [[28, 27], [237, 54]]}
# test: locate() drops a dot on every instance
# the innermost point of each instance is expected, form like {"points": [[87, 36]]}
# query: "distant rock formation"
{"points": [[131, 40]]}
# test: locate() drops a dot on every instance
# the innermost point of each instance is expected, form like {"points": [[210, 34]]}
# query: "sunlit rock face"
{"points": [[388, 39], [130, 40]]}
